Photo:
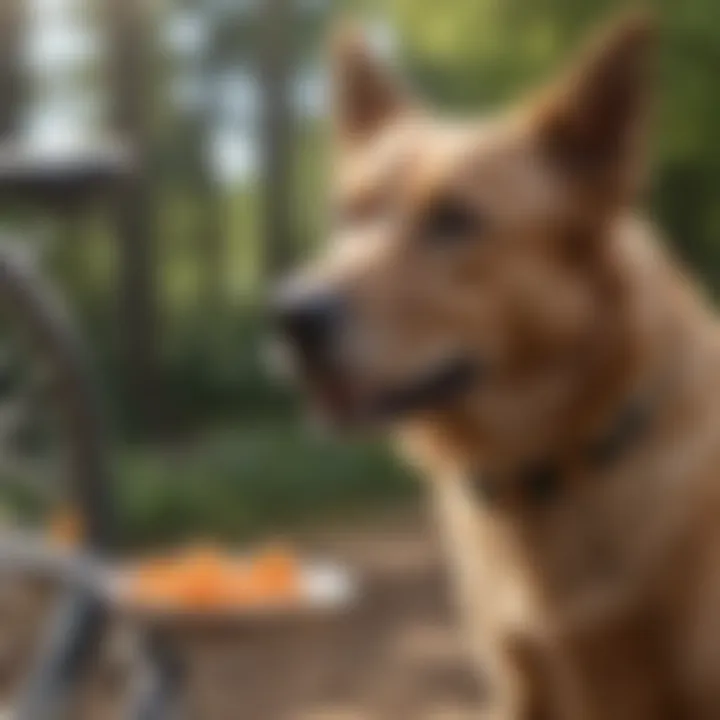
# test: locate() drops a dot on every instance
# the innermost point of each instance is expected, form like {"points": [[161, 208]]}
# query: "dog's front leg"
{"points": [[492, 609]]}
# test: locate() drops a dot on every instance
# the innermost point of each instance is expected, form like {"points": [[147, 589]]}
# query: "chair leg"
{"points": [[160, 682], [72, 641]]}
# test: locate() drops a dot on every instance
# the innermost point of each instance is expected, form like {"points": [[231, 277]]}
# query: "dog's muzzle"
{"points": [[311, 325]]}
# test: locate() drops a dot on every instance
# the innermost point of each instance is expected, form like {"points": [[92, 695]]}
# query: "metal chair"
{"points": [[40, 331]]}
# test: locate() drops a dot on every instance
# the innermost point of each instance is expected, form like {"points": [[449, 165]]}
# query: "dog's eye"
{"points": [[451, 221]]}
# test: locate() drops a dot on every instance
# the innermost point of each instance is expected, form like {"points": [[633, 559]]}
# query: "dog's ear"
{"points": [[592, 122], [366, 95]]}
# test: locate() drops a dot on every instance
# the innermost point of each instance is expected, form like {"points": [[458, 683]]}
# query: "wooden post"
{"points": [[276, 134], [132, 67], [11, 91]]}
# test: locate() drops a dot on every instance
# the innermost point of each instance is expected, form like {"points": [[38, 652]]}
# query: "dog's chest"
{"points": [[577, 547], [597, 540], [571, 576]]}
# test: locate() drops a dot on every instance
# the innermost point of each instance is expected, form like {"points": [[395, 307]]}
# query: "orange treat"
{"points": [[156, 582], [203, 572], [276, 574], [205, 578], [240, 590]]}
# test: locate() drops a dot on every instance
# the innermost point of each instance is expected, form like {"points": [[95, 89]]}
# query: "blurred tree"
{"points": [[132, 79], [276, 58], [11, 24], [198, 64]]}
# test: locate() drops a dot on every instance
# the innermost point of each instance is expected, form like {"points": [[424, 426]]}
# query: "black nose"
{"points": [[309, 320]]}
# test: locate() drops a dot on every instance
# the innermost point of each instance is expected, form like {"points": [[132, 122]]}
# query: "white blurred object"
{"points": [[234, 155], [328, 585], [63, 45], [62, 54]]}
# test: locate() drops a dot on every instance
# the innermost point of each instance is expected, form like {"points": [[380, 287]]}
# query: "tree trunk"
{"points": [[132, 68], [209, 191], [11, 25], [276, 134]]}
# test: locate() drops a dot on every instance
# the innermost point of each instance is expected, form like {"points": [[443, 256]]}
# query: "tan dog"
{"points": [[491, 295]]}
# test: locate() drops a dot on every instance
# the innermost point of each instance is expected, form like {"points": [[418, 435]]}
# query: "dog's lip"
{"points": [[347, 400], [432, 389], [347, 404]]}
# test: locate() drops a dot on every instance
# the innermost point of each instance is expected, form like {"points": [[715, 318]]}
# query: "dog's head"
{"points": [[466, 258]]}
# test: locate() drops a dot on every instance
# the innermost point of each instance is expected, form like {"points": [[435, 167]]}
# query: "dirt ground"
{"points": [[396, 655]]}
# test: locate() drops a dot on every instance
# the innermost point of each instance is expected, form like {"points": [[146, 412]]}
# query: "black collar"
{"points": [[541, 482]]}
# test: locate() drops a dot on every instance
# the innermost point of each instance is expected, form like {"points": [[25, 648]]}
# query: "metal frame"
{"points": [[157, 693], [27, 300], [31, 305]]}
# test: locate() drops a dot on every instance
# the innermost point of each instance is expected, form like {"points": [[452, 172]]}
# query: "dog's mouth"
{"points": [[346, 402], [436, 387]]}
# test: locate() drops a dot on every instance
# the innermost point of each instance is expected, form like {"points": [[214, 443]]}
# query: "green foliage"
{"points": [[213, 368], [252, 479]]}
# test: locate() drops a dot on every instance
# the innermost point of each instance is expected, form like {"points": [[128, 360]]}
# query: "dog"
{"points": [[495, 299]]}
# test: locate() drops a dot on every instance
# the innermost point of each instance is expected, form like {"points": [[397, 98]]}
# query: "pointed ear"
{"points": [[592, 122], [366, 95]]}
